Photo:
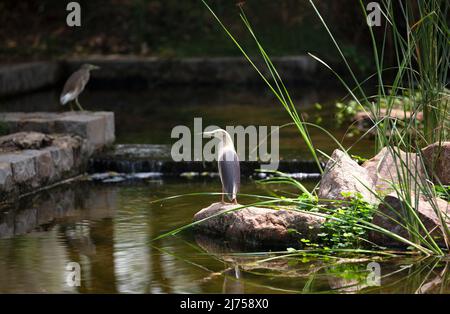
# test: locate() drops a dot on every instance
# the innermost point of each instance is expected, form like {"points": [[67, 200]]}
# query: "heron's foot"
{"points": [[78, 104], [234, 202]]}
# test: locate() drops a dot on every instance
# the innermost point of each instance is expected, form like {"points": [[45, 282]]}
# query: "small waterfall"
{"points": [[135, 159]]}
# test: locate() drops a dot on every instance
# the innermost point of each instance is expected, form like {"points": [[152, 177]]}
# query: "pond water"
{"points": [[148, 116], [108, 229]]}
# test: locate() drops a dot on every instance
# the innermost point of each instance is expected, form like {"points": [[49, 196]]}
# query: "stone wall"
{"points": [[46, 148], [27, 77], [146, 72], [24, 169]]}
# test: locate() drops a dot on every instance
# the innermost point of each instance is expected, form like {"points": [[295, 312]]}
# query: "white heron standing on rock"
{"points": [[75, 85], [228, 164]]}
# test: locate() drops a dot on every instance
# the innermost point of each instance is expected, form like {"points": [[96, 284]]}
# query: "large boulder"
{"points": [[392, 212], [343, 174], [385, 167], [258, 227], [437, 160]]}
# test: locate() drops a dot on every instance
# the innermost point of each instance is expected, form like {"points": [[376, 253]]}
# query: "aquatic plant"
{"points": [[343, 229], [443, 191]]}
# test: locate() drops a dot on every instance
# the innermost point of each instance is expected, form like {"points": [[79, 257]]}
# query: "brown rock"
{"points": [[255, 226], [343, 174], [393, 113], [383, 168], [365, 120], [437, 160], [393, 208], [24, 140]]}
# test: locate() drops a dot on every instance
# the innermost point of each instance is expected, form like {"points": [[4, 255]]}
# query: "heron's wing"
{"points": [[230, 172], [76, 83]]}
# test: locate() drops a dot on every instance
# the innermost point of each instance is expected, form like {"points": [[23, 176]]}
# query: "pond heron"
{"points": [[75, 85], [228, 164]]}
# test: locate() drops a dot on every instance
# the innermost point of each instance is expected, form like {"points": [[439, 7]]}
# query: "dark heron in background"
{"points": [[75, 85], [228, 163]]}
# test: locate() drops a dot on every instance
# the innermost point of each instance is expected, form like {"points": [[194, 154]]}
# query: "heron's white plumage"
{"points": [[228, 163], [66, 98]]}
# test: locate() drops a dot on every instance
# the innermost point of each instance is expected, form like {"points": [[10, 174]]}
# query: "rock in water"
{"points": [[384, 168], [258, 227], [437, 160], [394, 208], [343, 174]]}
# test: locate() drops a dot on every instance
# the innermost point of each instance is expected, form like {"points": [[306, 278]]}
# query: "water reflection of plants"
{"points": [[315, 272]]}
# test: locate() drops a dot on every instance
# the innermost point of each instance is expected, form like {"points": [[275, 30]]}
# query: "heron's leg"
{"points": [[223, 194], [235, 201], [78, 104]]}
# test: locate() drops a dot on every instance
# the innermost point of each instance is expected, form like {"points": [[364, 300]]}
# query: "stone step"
{"points": [[96, 127], [25, 170]]}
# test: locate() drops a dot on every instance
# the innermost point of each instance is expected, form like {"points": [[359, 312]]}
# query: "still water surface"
{"points": [[108, 230], [148, 116]]}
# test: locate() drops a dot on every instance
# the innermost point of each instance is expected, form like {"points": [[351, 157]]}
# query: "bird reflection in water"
{"points": [[233, 282]]}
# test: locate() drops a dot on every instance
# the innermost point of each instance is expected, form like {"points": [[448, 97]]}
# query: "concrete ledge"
{"points": [[26, 77], [144, 72], [231, 70], [45, 148], [96, 127]]}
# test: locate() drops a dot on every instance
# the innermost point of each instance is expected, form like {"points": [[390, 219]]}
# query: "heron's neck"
{"points": [[226, 142]]}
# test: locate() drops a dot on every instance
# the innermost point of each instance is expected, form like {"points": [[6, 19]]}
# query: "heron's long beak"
{"points": [[208, 134], [96, 67]]}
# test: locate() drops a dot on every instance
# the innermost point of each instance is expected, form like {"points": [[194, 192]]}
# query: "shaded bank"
{"points": [[146, 72]]}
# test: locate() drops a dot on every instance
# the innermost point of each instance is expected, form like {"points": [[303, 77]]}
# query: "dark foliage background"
{"points": [[37, 29]]}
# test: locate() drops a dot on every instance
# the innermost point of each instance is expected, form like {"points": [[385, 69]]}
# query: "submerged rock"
{"points": [[258, 227], [343, 174], [384, 168], [437, 160], [392, 213]]}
